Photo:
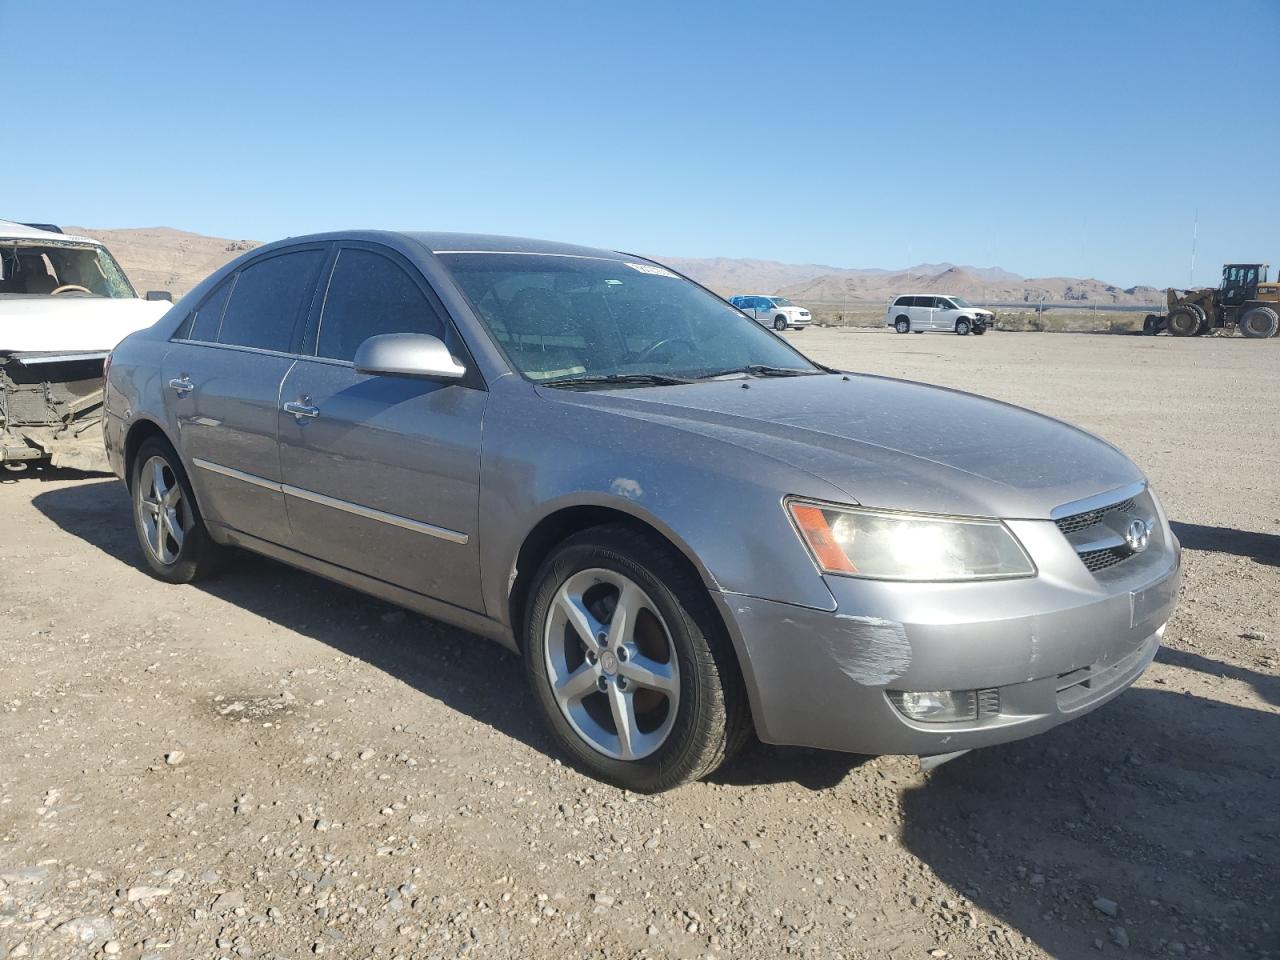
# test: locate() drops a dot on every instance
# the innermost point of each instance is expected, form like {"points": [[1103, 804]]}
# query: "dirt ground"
{"points": [[271, 765]]}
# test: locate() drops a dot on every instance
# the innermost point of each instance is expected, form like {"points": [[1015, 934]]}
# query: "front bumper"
{"points": [[1042, 651]]}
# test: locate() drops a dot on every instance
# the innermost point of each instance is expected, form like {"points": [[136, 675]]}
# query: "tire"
{"points": [[1151, 325], [779, 323], [902, 325], [171, 532], [1184, 322], [963, 327], [1259, 323], [688, 724]]}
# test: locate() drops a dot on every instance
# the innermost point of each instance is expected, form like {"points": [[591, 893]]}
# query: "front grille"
{"points": [[1098, 535], [1082, 521], [1101, 559]]}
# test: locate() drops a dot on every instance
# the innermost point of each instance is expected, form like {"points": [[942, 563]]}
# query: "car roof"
{"points": [[20, 231], [494, 243]]}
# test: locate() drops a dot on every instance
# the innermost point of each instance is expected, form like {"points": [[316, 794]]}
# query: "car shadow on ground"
{"points": [[1262, 547], [467, 673], [1161, 802]]}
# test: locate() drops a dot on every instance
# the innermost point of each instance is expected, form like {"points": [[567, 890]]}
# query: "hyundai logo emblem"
{"points": [[1137, 536]]}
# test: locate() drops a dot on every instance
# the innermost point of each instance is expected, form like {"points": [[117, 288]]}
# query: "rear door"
{"points": [[382, 473], [222, 379], [921, 313]]}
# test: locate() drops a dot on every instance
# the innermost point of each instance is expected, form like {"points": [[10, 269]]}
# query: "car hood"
{"points": [[890, 443], [42, 323]]}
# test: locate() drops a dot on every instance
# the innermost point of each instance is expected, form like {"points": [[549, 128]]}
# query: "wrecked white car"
{"points": [[64, 303]]}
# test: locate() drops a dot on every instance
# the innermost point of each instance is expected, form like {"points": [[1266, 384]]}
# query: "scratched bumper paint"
{"points": [[818, 678]]}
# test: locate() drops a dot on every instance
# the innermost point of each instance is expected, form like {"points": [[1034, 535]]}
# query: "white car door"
{"points": [[922, 313], [944, 314]]}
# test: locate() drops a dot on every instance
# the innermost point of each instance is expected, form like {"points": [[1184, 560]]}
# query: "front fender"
{"points": [[720, 505]]}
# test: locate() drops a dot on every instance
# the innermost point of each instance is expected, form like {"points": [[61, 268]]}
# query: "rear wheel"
{"points": [[1184, 322], [1259, 323], [174, 540], [779, 323], [630, 664], [902, 325], [963, 327]]}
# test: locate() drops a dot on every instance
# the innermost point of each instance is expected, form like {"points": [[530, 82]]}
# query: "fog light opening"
{"points": [[936, 706]]}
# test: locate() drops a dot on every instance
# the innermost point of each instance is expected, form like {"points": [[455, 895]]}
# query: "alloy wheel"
{"points": [[162, 510], [611, 664]]}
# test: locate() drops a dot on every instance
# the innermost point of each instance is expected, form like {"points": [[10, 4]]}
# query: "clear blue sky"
{"points": [[1074, 138]]}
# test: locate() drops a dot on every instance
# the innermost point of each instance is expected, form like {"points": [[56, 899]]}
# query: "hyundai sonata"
{"points": [[689, 530]]}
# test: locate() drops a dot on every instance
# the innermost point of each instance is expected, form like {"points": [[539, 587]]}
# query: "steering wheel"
{"points": [[66, 287], [688, 345]]}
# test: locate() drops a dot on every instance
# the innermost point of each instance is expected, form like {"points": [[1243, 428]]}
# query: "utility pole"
{"points": [[1195, 231]]}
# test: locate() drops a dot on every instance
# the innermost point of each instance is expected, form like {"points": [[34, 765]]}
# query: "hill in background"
{"points": [[161, 258]]}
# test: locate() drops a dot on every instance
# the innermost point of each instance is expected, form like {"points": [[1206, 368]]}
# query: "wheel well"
{"points": [[555, 529], [140, 432], [901, 316]]}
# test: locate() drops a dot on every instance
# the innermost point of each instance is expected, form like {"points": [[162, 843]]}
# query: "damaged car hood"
{"points": [[72, 323], [890, 443]]}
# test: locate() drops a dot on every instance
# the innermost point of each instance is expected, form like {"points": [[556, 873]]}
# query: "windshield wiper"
{"points": [[614, 379], [760, 370]]}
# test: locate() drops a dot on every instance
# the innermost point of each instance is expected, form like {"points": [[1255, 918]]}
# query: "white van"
{"points": [[777, 312], [916, 313]]}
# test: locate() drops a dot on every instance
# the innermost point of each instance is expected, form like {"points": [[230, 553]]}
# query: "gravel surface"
{"points": [[269, 764]]}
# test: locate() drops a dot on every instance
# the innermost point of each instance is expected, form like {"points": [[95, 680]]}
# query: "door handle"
{"points": [[301, 409], [181, 386]]}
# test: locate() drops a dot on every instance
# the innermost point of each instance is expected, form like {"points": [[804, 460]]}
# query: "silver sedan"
{"points": [[689, 530]]}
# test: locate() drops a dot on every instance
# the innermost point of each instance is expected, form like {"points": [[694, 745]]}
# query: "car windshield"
{"points": [[960, 302], [570, 318], [44, 269]]}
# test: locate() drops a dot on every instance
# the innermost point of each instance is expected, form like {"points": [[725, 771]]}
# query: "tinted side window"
{"points": [[267, 300], [371, 295], [208, 317]]}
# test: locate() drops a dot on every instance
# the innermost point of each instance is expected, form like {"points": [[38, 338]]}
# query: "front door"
{"points": [[221, 378], [381, 473], [944, 314]]}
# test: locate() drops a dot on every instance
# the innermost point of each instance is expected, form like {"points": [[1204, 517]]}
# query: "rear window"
{"points": [[208, 317], [268, 297]]}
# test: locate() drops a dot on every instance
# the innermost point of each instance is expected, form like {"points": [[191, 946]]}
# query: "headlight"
{"points": [[904, 546]]}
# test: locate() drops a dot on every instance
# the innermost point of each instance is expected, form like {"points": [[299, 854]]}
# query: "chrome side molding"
{"points": [[346, 506]]}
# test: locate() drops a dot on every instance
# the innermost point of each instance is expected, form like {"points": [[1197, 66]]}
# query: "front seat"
{"points": [[35, 275], [539, 322]]}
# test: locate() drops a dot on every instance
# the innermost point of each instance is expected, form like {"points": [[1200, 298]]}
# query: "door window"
{"points": [[208, 316], [266, 302], [371, 295]]}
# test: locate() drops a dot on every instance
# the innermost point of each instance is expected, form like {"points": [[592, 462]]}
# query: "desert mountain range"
{"points": [[161, 258]]}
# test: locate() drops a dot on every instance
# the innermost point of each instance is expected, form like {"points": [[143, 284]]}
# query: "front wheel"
{"points": [[630, 664], [963, 327], [1184, 322], [779, 323], [175, 543]]}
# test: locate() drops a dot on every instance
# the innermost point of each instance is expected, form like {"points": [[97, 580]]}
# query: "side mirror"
{"points": [[408, 355], [160, 295]]}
